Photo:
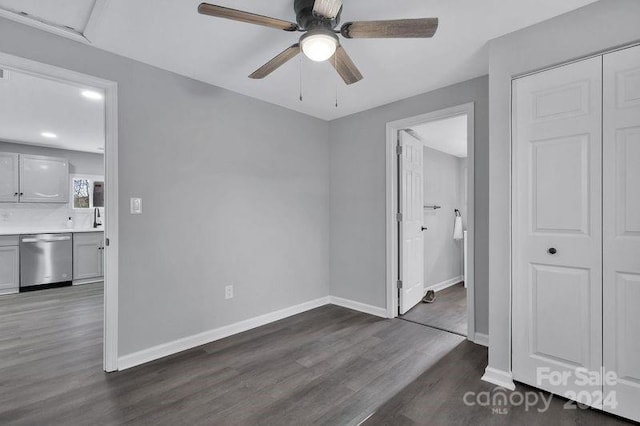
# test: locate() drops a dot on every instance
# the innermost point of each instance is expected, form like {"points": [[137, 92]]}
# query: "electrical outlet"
{"points": [[228, 292]]}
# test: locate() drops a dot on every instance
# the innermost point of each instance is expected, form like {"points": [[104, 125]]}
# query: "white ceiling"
{"points": [[33, 105], [448, 135], [170, 34]]}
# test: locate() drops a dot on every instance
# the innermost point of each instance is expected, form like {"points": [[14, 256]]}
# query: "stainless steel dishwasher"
{"points": [[46, 260]]}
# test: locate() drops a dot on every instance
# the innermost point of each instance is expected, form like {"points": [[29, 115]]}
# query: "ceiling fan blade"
{"points": [[250, 18], [345, 66], [282, 58], [327, 8], [400, 28]]}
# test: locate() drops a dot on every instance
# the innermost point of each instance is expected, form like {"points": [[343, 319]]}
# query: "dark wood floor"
{"points": [[448, 312], [450, 393], [328, 366]]}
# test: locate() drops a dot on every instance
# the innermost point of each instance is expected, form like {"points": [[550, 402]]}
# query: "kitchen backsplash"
{"points": [[15, 215]]}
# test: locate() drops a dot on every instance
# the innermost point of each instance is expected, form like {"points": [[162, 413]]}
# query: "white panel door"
{"points": [[621, 193], [43, 179], [557, 228], [412, 208], [8, 177]]}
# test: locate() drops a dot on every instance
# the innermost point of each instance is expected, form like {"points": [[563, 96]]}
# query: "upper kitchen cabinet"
{"points": [[43, 179], [8, 177]]}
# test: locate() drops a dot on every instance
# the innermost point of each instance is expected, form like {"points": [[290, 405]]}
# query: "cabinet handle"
{"points": [[552, 250], [15, 195], [21, 194]]}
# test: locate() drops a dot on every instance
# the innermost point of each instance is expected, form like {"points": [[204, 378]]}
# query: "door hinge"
{"points": [[400, 284], [399, 217], [399, 149], [106, 242]]}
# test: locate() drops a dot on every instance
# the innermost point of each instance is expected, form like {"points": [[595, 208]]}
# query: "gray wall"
{"points": [[593, 28], [357, 151], [442, 186], [235, 190], [79, 162]]}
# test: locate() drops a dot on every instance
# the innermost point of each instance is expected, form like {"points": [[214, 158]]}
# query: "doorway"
{"points": [[430, 226], [86, 192]]}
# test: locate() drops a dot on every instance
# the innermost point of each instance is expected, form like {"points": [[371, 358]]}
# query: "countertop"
{"points": [[32, 230]]}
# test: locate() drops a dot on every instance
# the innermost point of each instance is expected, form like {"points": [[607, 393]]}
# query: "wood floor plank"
{"points": [[329, 366]]}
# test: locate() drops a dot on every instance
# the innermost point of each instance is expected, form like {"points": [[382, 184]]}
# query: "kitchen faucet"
{"points": [[96, 217]]}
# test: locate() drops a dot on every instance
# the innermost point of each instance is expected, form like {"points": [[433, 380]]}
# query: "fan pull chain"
{"points": [[300, 68]]}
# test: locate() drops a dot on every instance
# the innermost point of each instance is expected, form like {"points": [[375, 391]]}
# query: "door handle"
{"points": [[552, 250], [424, 228]]}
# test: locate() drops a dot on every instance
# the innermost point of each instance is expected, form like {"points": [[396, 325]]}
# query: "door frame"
{"points": [[19, 64], [392, 185]]}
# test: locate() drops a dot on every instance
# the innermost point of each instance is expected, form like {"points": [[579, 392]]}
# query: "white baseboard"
{"points": [[170, 348], [189, 342], [499, 378], [481, 339], [357, 306], [444, 284]]}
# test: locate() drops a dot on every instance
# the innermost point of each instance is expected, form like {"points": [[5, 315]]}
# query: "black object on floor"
{"points": [[430, 297]]}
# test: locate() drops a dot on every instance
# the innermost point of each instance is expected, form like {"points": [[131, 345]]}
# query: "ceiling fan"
{"points": [[318, 20]]}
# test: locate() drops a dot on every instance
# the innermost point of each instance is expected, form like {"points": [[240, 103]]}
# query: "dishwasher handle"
{"points": [[45, 239]]}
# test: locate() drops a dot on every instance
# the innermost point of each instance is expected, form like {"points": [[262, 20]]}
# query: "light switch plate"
{"points": [[136, 206]]}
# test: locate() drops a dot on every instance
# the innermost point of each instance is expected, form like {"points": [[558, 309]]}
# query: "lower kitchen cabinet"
{"points": [[9, 265], [88, 255]]}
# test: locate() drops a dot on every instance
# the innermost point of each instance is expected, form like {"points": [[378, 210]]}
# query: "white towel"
{"points": [[457, 229]]}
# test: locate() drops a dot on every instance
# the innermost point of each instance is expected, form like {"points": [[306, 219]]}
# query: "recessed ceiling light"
{"points": [[93, 95], [49, 135]]}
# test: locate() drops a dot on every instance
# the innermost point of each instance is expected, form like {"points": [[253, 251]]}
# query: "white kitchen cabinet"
{"points": [[9, 166], [43, 179], [88, 251], [9, 264]]}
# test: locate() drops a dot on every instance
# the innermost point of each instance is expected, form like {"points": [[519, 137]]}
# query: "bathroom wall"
{"points": [[43, 215], [443, 186]]}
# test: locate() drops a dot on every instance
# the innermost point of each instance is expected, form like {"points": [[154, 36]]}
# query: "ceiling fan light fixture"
{"points": [[319, 45]]}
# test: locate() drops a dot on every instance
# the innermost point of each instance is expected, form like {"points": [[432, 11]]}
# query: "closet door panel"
{"points": [[557, 228], [621, 229]]}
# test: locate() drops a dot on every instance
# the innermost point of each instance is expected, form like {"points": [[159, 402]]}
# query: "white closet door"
{"points": [[557, 227], [412, 209], [621, 174]]}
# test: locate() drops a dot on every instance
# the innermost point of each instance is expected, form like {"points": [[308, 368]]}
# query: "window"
{"points": [[87, 191], [81, 193]]}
